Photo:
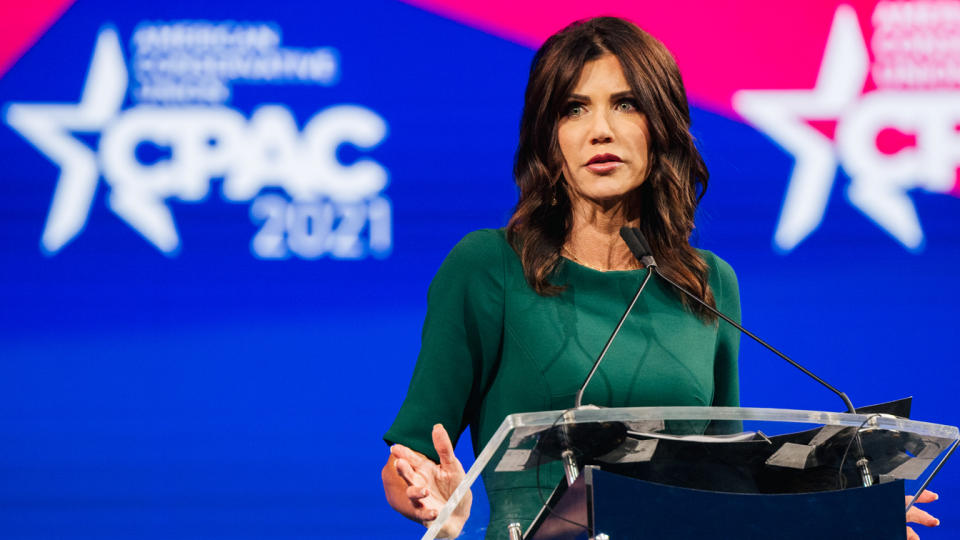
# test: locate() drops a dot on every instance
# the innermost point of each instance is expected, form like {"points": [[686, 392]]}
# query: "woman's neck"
{"points": [[594, 238]]}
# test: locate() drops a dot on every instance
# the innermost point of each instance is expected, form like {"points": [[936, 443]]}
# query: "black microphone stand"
{"points": [[571, 468], [641, 250]]}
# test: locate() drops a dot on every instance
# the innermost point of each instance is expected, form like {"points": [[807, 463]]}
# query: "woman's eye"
{"points": [[574, 109], [626, 105]]}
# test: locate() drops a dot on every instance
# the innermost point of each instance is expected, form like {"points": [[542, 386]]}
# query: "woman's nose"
{"points": [[600, 131]]}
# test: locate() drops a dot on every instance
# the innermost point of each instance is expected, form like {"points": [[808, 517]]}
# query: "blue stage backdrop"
{"points": [[219, 221]]}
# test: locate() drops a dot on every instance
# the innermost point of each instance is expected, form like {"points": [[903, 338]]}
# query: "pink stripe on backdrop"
{"points": [[721, 46], [22, 24]]}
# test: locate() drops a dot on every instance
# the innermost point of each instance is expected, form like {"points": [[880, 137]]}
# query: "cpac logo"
{"points": [[203, 143], [889, 140]]}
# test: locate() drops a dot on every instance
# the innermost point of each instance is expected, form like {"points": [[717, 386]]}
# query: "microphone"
{"points": [[638, 245], [573, 440], [583, 387], [641, 250]]}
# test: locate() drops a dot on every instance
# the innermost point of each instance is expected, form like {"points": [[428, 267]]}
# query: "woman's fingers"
{"points": [[441, 442], [426, 515], [415, 493], [407, 472], [402, 452], [916, 515], [925, 497]]}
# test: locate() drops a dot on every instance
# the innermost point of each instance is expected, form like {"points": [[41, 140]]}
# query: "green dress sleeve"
{"points": [[725, 365], [460, 343]]}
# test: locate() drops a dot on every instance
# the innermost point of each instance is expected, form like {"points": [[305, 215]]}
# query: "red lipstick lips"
{"points": [[603, 158], [604, 163]]}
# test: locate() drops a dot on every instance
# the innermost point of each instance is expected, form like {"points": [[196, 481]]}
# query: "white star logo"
{"points": [[880, 179], [49, 127], [203, 142]]}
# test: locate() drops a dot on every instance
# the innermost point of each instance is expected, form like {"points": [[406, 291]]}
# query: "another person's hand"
{"points": [[429, 485], [916, 515]]}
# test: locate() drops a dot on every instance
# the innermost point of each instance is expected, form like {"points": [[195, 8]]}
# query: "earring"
{"points": [[557, 186]]}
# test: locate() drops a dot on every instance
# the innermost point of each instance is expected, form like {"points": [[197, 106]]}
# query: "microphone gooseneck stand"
{"points": [[579, 399], [571, 468], [641, 250]]}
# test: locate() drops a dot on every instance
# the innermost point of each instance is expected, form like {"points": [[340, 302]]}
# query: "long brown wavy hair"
{"points": [[677, 176]]}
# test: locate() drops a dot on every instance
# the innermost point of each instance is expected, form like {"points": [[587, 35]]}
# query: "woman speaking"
{"points": [[516, 317]]}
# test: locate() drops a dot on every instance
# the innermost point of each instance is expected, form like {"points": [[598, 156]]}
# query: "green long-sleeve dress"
{"points": [[491, 346]]}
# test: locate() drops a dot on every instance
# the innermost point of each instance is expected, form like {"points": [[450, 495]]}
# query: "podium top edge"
{"points": [[632, 414]]}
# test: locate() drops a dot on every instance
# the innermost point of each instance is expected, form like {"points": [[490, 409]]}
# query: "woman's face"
{"points": [[603, 136]]}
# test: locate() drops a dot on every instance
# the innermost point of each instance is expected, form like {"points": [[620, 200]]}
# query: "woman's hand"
{"points": [[427, 485], [916, 515]]}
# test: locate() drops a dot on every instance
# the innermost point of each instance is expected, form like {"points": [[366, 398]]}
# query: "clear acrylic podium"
{"points": [[653, 472]]}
